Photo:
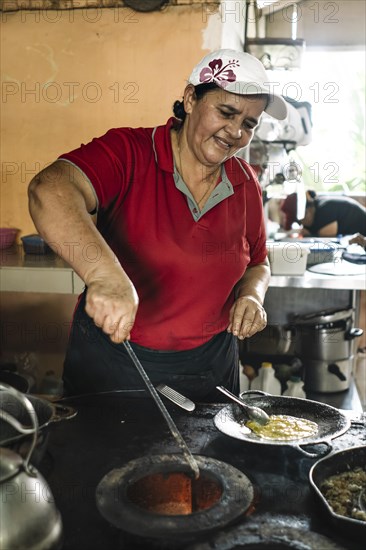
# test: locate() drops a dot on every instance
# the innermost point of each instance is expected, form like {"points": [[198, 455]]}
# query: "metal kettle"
{"points": [[29, 518]]}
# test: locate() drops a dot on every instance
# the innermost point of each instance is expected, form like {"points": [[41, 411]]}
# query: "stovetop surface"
{"points": [[112, 429]]}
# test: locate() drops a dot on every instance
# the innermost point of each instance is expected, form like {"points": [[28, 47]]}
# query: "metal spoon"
{"points": [[173, 428], [254, 413]]}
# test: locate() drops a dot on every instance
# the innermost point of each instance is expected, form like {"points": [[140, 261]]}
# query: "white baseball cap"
{"points": [[240, 73]]}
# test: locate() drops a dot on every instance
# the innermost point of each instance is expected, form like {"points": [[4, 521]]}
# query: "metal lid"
{"points": [[325, 316]]}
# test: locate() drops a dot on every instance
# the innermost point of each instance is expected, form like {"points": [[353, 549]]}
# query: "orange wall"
{"points": [[71, 75]]}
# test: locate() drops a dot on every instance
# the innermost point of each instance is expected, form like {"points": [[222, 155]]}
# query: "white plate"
{"points": [[338, 268]]}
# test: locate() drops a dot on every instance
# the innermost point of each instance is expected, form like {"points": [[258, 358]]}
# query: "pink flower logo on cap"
{"points": [[215, 72]]}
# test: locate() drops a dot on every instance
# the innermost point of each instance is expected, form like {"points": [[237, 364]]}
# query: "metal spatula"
{"points": [[176, 397], [174, 430]]}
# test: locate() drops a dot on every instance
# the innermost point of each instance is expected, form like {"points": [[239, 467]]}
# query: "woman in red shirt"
{"points": [[168, 235]]}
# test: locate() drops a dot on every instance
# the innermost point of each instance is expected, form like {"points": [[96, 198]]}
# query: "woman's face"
{"points": [[220, 123]]}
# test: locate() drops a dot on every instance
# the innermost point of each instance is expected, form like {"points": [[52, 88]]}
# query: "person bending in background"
{"points": [[326, 216], [358, 239], [330, 216], [176, 224]]}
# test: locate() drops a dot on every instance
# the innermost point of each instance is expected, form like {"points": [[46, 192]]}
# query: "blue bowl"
{"points": [[34, 244]]}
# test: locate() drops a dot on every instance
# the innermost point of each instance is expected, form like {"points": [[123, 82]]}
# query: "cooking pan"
{"points": [[46, 412], [335, 464], [331, 421], [15, 380]]}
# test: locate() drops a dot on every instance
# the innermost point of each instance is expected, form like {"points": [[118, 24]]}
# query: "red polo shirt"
{"points": [[184, 270]]}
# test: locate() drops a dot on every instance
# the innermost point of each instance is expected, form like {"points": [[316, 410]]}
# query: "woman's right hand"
{"points": [[112, 303]]}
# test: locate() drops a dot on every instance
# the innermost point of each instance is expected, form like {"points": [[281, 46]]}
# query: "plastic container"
{"points": [[266, 380], [284, 371], [7, 236], [244, 382], [323, 252], [51, 384], [295, 387], [34, 244], [287, 258]]}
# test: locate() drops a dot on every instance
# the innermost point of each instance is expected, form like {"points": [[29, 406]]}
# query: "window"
{"points": [[334, 84]]}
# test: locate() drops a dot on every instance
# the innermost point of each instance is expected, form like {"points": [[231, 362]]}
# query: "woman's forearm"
{"points": [[247, 315], [255, 282], [60, 199]]}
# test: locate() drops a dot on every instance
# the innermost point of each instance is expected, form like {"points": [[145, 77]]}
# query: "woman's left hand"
{"points": [[247, 316]]}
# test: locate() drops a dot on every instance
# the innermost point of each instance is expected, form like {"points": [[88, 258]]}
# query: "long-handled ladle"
{"points": [[254, 413], [174, 430]]}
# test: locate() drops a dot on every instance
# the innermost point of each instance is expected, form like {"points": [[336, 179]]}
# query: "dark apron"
{"points": [[94, 364]]}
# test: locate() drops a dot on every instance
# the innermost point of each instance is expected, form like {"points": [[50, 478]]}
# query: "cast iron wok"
{"points": [[46, 412], [14, 380], [337, 463], [331, 421]]}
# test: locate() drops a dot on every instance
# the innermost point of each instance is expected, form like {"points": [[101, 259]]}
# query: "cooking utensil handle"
{"points": [[254, 413], [327, 450], [176, 397], [251, 393], [174, 430], [353, 333], [34, 419], [15, 423], [232, 396], [62, 412]]}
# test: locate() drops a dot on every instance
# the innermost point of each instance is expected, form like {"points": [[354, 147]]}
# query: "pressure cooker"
{"points": [[325, 342]]}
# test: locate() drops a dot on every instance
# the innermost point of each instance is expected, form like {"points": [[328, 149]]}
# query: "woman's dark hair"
{"points": [[200, 91]]}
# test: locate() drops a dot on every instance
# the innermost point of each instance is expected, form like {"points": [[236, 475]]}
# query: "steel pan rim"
{"points": [[277, 401]]}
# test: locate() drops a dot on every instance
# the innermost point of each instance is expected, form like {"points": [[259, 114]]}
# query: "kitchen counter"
{"points": [[345, 400], [21, 272], [319, 280], [111, 429]]}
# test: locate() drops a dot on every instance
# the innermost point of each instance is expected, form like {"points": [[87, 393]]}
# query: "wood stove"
{"points": [[114, 430]]}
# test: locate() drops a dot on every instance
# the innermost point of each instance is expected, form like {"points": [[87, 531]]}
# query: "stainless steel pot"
{"points": [[331, 421], [323, 317], [325, 336], [325, 342], [328, 376]]}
